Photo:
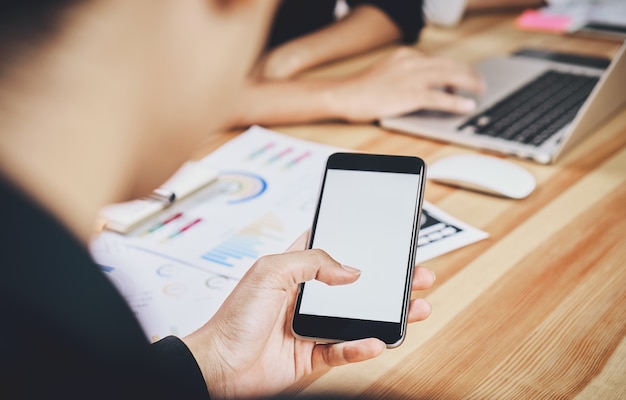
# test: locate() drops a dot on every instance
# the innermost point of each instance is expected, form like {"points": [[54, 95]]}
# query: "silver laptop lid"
{"points": [[608, 96]]}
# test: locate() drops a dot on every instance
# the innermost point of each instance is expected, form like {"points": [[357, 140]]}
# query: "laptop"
{"points": [[538, 104]]}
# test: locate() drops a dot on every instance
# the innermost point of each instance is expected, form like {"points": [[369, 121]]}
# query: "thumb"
{"points": [[337, 354]]}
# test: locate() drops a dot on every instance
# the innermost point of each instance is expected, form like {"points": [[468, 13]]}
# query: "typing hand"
{"points": [[403, 82], [247, 349]]}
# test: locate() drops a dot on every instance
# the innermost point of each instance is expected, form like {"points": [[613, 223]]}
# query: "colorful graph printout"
{"points": [[262, 200], [259, 205]]}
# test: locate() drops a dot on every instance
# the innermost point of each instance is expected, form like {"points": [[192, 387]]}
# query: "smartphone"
{"points": [[367, 217]]}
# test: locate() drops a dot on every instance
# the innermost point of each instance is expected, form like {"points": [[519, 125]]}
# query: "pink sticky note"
{"points": [[535, 20]]}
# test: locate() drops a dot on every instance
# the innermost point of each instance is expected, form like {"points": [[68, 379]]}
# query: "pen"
{"points": [[164, 196]]}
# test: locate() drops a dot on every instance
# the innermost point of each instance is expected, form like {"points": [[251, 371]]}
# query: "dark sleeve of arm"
{"points": [[178, 364], [408, 15]]}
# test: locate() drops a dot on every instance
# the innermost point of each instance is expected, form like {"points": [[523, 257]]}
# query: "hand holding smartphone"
{"points": [[367, 217]]}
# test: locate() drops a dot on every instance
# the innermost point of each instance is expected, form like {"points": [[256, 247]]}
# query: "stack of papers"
{"points": [[176, 268]]}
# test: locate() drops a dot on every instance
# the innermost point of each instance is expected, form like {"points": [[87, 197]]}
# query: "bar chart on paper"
{"points": [[248, 244]]}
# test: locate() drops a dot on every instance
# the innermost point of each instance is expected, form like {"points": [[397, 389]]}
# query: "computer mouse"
{"points": [[484, 174]]}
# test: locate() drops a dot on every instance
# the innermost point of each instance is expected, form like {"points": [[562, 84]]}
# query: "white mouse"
{"points": [[484, 174]]}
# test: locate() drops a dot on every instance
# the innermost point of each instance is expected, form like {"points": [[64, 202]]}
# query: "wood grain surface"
{"points": [[536, 311]]}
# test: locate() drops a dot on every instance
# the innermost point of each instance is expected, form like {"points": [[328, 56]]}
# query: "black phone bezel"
{"points": [[336, 329]]}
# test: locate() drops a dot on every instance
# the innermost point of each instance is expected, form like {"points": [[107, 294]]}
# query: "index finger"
{"points": [[283, 271], [450, 73]]}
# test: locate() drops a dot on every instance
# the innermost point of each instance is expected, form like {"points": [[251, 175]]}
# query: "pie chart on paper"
{"points": [[242, 186]]}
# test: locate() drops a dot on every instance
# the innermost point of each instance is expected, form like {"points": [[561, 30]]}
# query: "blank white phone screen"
{"points": [[366, 220]]}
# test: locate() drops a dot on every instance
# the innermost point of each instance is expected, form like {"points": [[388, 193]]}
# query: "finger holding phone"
{"points": [[248, 349]]}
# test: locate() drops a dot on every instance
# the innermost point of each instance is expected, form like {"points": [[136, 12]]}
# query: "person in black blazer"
{"points": [[100, 102]]}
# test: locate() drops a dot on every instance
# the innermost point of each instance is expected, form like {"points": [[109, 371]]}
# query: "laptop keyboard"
{"points": [[536, 111]]}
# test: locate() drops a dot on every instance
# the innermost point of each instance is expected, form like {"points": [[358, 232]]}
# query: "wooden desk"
{"points": [[538, 310]]}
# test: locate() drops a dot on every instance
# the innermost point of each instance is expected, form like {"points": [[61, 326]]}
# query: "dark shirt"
{"points": [[295, 18], [65, 330]]}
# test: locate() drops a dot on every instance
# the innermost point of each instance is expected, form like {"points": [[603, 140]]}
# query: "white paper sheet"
{"points": [[176, 275], [167, 297]]}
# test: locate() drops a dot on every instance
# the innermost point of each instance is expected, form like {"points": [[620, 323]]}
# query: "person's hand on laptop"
{"points": [[406, 80], [248, 350]]}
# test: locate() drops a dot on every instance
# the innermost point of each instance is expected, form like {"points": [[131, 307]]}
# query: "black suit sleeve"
{"points": [[178, 363], [408, 15], [296, 18]]}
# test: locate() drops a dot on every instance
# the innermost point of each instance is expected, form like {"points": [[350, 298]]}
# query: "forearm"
{"points": [[352, 35], [402, 82], [285, 102]]}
